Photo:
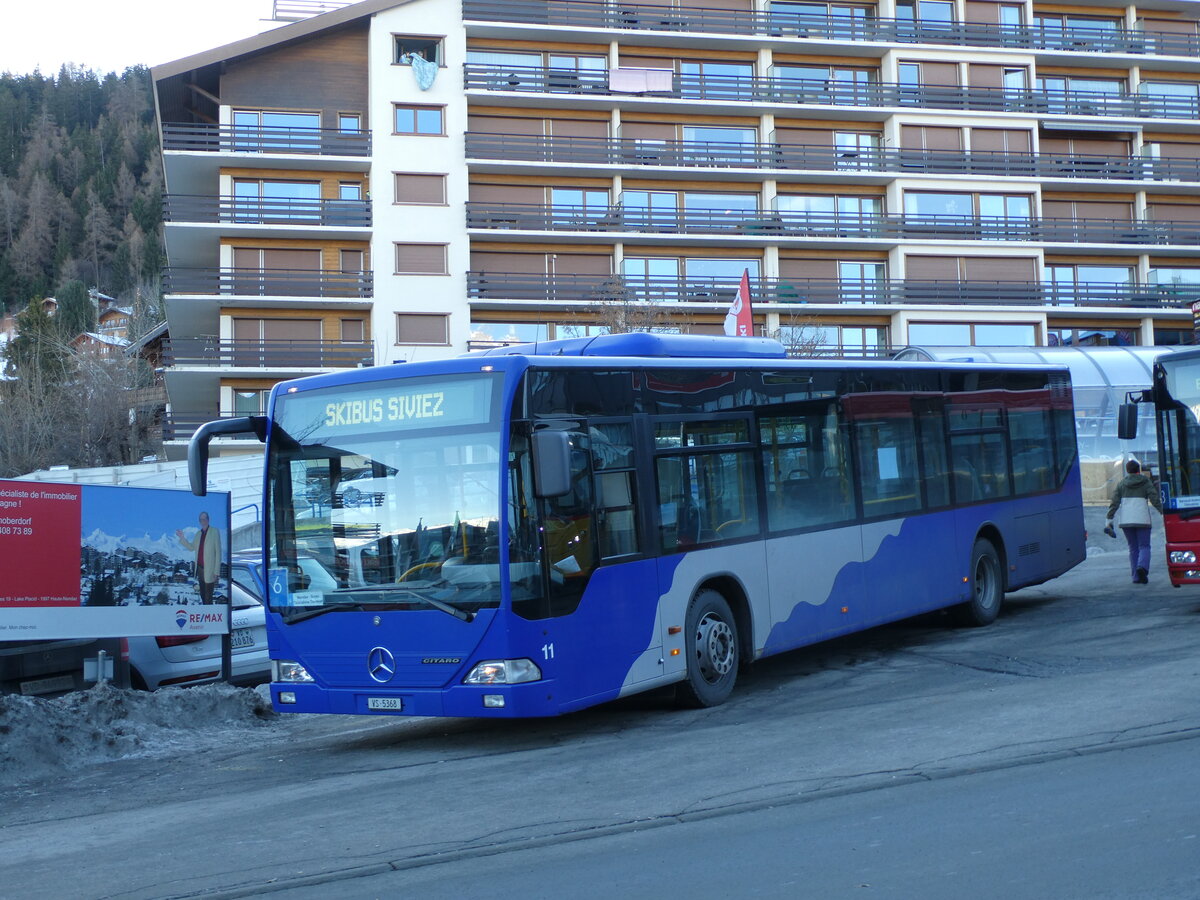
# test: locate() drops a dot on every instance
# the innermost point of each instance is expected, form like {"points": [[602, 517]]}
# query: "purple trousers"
{"points": [[1138, 538]]}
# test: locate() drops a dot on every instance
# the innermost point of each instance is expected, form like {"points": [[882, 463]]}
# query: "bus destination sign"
{"points": [[408, 404]]}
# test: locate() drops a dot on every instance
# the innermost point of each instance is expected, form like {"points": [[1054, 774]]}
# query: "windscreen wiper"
{"points": [[444, 606], [313, 612]]}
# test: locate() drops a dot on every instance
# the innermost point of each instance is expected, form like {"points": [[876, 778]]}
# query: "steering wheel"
{"points": [[417, 568]]}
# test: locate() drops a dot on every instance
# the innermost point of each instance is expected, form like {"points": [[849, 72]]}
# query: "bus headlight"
{"points": [[1183, 556], [289, 672], [503, 671]]}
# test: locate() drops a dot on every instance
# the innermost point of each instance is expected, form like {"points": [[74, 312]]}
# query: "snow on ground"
{"points": [[40, 737]]}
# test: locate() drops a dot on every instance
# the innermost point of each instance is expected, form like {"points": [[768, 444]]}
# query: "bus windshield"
{"points": [[1179, 429], [386, 495]]}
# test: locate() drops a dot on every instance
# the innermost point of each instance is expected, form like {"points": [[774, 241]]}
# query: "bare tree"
{"points": [[618, 311], [59, 407], [802, 336]]}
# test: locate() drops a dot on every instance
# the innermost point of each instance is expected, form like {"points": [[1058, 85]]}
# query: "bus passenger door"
{"points": [[602, 615]]}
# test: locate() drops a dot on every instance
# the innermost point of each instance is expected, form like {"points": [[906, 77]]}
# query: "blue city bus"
{"points": [[544, 527]]}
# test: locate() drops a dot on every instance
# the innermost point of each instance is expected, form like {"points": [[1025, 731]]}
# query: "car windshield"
{"points": [[386, 494]]}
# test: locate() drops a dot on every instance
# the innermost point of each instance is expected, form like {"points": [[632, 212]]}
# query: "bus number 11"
{"points": [[548, 651]]}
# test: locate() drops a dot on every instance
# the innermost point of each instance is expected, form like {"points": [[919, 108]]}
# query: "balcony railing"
{"points": [[598, 289], [180, 426], [771, 155], [266, 140], [266, 211], [631, 16], [269, 282], [267, 354], [868, 226], [822, 92]]}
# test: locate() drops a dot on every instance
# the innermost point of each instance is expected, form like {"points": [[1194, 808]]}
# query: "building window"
{"points": [[349, 123], [833, 340], [1071, 284], [420, 119], [713, 144], [497, 334], [574, 206], [1096, 337], [1180, 275], [421, 259], [973, 334], [930, 13], [276, 201], [408, 46], [1169, 98], [350, 190], [429, 190], [931, 206], [353, 331], [281, 132], [250, 403], [711, 80], [1063, 31], [1172, 337], [427, 329]]}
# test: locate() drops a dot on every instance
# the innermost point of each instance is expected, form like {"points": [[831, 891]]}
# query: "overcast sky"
{"points": [[110, 35]]}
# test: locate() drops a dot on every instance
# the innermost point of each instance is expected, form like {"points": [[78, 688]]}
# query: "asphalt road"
{"points": [[1047, 755]]}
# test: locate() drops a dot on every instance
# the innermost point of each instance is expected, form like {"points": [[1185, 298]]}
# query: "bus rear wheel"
{"points": [[711, 645], [987, 586]]}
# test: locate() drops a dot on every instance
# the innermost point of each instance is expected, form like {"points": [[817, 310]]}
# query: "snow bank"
{"points": [[39, 737]]}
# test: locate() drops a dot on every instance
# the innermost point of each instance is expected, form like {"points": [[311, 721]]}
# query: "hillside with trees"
{"points": [[80, 221], [80, 186]]}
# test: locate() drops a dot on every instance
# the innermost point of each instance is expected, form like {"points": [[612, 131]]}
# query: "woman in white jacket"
{"points": [[1132, 499]]}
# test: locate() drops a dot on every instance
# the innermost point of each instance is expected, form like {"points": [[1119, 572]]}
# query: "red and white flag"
{"points": [[739, 321]]}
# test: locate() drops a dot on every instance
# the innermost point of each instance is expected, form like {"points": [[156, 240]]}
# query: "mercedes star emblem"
{"points": [[381, 665]]}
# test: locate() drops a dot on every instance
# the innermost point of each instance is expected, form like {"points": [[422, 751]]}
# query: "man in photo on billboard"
{"points": [[207, 545]]}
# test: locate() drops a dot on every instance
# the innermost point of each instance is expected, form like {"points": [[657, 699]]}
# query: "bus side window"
{"points": [[1032, 454], [806, 469], [615, 488], [887, 462], [935, 471]]}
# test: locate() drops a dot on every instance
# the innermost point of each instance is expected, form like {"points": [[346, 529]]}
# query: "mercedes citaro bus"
{"points": [[543, 527]]}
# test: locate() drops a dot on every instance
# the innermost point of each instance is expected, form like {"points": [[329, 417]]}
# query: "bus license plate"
{"points": [[242, 637], [392, 704]]}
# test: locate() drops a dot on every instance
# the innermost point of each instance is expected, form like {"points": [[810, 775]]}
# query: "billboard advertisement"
{"points": [[82, 561]]}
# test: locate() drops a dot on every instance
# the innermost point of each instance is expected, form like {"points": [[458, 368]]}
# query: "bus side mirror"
{"points": [[551, 463], [1127, 421]]}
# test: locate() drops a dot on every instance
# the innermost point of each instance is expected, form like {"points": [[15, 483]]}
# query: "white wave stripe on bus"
{"points": [[803, 569]]}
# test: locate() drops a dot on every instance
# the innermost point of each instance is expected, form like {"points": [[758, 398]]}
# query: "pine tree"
{"points": [[76, 314]]}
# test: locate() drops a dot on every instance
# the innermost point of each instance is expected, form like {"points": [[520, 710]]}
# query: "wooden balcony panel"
{"points": [[269, 282], [204, 209], [267, 354], [282, 141]]}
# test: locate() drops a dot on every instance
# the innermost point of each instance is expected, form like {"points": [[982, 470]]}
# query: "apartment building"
{"points": [[394, 181]]}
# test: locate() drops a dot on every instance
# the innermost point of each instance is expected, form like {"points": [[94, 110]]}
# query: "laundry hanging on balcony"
{"points": [[639, 81], [423, 71]]}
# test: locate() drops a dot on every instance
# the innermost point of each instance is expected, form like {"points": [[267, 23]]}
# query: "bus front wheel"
{"points": [[711, 645], [987, 586]]}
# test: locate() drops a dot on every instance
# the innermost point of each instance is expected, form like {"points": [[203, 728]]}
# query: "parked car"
{"points": [[196, 659], [47, 668]]}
